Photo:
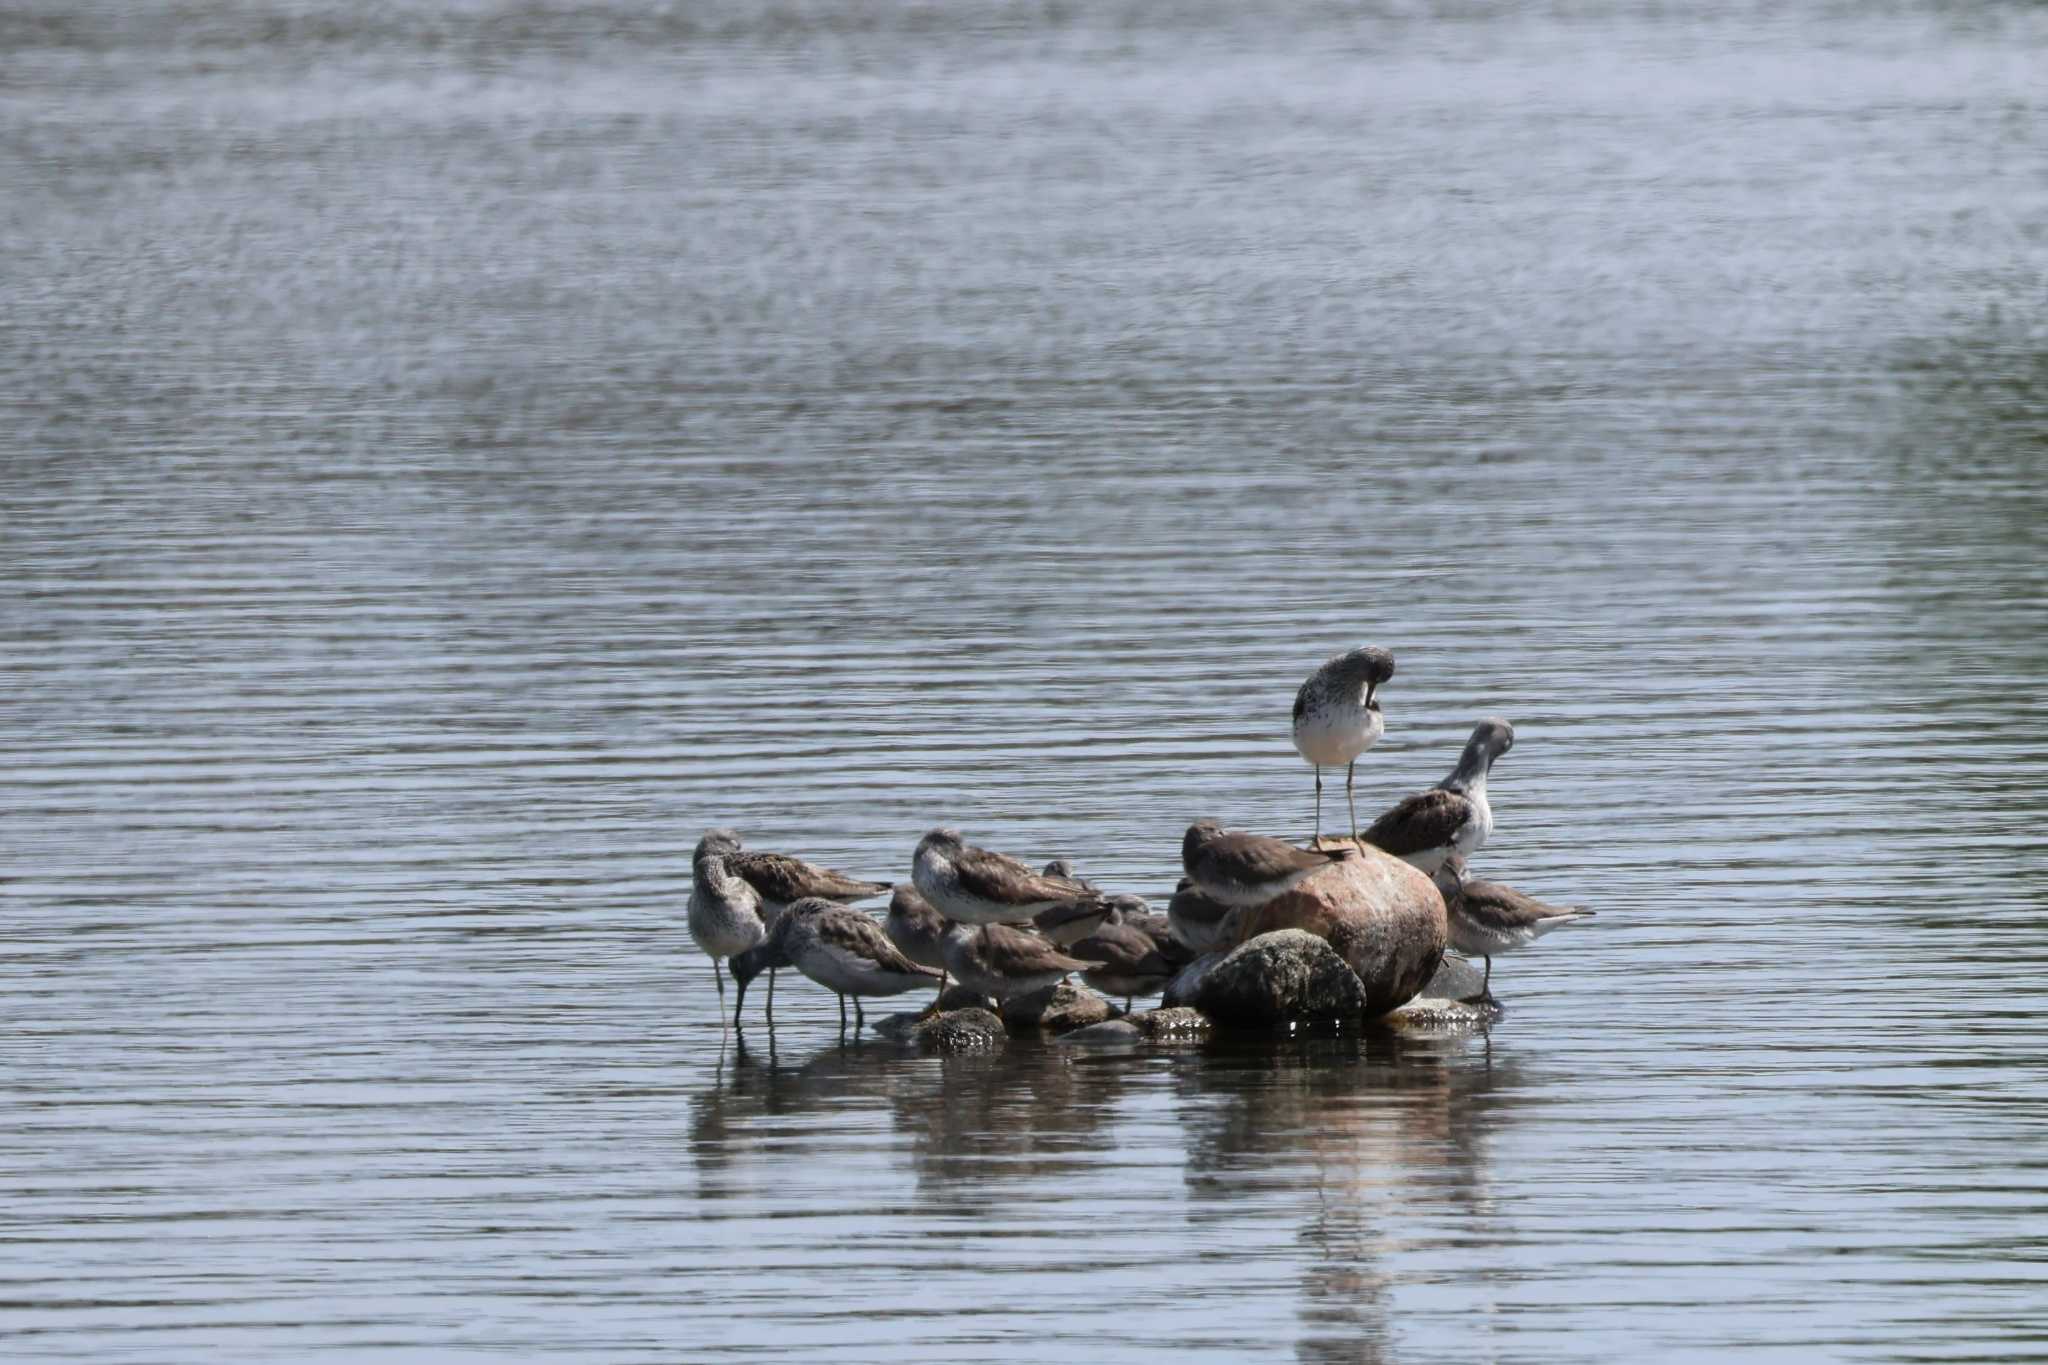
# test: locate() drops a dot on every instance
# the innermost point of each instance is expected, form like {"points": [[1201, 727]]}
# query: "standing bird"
{"points": [[974, 886], [843, 950], [725, 914], [1336, 719], [1247, 870], [782, 880], [1487, 918], [1000, 961], [1451, 817]]}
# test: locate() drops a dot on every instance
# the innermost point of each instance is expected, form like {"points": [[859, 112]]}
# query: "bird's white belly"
{"points": [[1332, 736]]}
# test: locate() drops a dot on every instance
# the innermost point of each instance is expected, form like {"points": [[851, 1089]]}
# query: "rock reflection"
{"points": [[1367, 1130]]}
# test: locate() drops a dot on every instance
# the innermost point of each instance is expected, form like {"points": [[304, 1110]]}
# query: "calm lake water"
{"points": [[455, 452]]}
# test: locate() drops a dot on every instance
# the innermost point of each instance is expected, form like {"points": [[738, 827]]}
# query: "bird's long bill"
{"points": [[1370, 689]]}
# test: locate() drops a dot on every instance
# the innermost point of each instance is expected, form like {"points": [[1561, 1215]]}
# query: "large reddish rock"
{"points": [[1384, 918]]}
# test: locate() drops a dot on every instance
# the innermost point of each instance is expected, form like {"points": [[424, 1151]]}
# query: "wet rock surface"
{"points": [[1384, 918], [1445, 1002], [1173, 1024], [1280, 978], [968, 1030], [1056, 1010], [1108, 1033]]}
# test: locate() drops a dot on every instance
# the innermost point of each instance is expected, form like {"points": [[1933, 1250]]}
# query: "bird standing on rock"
{"points": [[999, 961], [1486, 918], [1454, 815], [1247, 870], [974, 886], [1337, 718]]}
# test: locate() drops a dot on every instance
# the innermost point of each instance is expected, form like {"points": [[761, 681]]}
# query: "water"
{"points": [[455, 453]]}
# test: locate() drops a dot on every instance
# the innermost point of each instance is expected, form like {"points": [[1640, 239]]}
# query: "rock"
{"points": [[1171, 1023], [959, 997], [968, 1030], [1443, 1004], [1180, 992], [1384, 918], [1108, 1033], [1285, 977], [1056, 1009]]}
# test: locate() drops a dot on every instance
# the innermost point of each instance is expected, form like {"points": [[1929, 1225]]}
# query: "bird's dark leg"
{"points": [[1127, 1004], [860, 1018], [1485, 996], [1317, 837], [842, 1014], [770, 1007], [1350, 772], [718, 975]]}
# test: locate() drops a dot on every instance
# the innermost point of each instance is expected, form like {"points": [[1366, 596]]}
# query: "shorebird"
{"points": [[917, 930], [1453, 816], [1197, 921], [843, 950], [1486, 918], [1000, 961], [725, 914], [1135, 961], [1247, 870], [782, 880], [1336, 719], [974, 886]]}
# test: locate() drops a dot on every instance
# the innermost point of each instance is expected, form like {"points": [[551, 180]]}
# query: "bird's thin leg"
{"points": [[1350, 772], [718, 975], [860, 1018], [770, 1007], [1317, 837], [1127, 1004], [842, 1014]]}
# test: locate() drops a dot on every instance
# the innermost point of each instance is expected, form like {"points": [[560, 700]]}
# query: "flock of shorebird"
{"points": [[991, 923]]}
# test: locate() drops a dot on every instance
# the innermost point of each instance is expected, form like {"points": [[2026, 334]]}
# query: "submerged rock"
{"points": [[1108, 1033], [1280, 978], [1173, 1023], [1445, 1004], [1384, 918], [1060, 1008], [968, 1030]]}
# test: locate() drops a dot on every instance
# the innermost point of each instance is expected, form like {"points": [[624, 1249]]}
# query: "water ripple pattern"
{"points": [[456, 452]]}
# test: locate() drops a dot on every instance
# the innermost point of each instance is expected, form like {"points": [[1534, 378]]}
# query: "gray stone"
{"points": [[1057, 1009], [1384, 918], [1291, 976], [1444, 1005], [1173, 1023], [968, 1030], [1108, 1033]]}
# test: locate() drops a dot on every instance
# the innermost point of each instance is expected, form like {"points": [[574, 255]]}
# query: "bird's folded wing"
{"points": [[1424, 821]]}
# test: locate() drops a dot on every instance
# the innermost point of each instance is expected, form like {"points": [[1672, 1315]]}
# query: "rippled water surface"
{"points": [[455, 452]]}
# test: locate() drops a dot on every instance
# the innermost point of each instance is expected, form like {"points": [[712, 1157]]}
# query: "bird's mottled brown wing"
{"points": [[1237, 857], [1004, 880], [780, 877], [1127, 949], [860, 935], [1012, 952], [1424, 821]]}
